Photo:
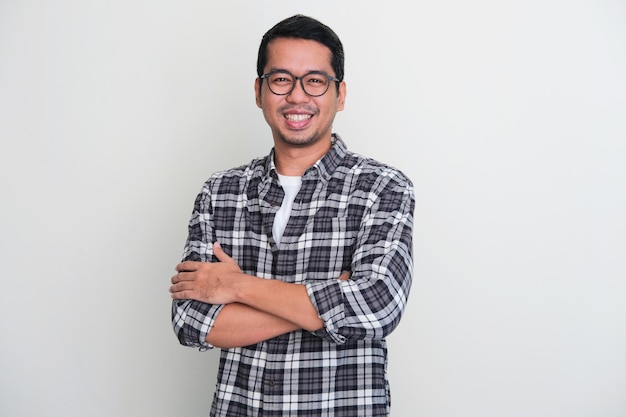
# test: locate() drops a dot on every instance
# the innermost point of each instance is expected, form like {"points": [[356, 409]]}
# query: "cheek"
{"points": [[269, 103]]}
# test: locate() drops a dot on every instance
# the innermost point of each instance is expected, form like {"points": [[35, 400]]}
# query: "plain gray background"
{"points": [[508, 116]]}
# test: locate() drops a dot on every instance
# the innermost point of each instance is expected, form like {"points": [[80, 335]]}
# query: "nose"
{"points": [[297, 94]]}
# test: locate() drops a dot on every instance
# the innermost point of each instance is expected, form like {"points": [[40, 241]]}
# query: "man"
{"points": [[298, 264]]}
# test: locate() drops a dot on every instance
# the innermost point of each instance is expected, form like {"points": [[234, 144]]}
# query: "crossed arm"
{"points": [[255, 309]]}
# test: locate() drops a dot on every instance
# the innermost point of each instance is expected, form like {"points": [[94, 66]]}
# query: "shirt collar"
{"points": [[324, 167], [327, 164]]}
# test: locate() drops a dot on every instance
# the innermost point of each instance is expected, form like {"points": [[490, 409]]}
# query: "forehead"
{"points": [[298, 55]]}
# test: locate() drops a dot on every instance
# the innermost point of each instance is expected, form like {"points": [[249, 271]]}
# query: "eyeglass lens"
{"points": [[314, 84]]}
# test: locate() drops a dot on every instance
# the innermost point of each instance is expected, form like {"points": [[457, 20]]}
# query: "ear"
{"points": [[257, 91], [341, 98]]}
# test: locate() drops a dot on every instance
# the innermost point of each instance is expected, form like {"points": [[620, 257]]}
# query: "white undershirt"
{"points": [[291, 186]]}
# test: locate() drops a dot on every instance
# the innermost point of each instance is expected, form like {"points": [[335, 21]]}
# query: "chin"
{"points": [[299, 140]]}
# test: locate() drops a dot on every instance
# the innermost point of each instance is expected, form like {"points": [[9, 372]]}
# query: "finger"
{"points": [[183, 276], [221, 255], [187, 266], [181, 295], [181, 286]]}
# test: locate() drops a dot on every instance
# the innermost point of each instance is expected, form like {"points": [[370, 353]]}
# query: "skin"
{"points": [[258, 309]]}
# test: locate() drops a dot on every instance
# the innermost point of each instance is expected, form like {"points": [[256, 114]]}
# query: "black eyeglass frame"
{"points": [[301, 78]]}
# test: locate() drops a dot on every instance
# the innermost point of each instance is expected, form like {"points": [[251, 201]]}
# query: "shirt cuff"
{"points": [[327, 299], [195, 320]]}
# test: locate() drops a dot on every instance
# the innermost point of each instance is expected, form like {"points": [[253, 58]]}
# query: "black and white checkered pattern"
{"points": [[351, 214]]}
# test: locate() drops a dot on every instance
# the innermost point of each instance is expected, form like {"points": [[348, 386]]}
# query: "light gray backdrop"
{"points": [[509, 117]]}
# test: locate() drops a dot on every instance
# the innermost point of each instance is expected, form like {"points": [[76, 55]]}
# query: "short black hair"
{"points": [[304, 27]]}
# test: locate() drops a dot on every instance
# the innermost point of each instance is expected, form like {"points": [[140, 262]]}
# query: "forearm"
{"points": [[223, 283], [288, 301], [241, 325]]}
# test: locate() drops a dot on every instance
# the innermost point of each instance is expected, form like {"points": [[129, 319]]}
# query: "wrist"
{"points": [[240, 282]]}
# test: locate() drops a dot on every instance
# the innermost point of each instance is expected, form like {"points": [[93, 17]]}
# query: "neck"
{"points": [[294, 161]]}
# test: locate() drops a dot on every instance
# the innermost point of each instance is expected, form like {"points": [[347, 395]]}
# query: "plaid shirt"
{"points": [[351, 214]]}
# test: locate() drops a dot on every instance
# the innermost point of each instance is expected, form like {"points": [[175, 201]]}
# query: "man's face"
{"points": [[297, 119]]}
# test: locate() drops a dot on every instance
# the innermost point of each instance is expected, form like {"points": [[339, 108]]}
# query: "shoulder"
{"points": [[372, 171], [232, 178], [362, 169]]}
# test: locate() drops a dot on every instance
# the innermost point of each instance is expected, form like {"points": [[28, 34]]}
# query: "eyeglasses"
{"points": [[314, 83]]}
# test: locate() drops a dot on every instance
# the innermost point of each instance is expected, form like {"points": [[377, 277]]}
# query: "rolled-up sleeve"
{"points": [[192, 320], [370, 304]]}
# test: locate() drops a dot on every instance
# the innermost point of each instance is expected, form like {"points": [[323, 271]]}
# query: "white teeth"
{"points": [[297, 117]]}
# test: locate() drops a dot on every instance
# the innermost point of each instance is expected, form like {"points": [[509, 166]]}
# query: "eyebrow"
{"points": [[308, 71]]}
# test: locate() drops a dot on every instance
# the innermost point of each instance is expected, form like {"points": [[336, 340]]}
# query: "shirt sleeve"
{"points": [[370, 304], [192, 320]]}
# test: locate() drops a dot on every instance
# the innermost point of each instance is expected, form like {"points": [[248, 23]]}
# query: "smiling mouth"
{"points": [[297, 117]]}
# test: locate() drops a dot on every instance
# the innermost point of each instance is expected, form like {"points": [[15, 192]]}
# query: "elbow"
{"points": [[220, 343], [373, 330]]}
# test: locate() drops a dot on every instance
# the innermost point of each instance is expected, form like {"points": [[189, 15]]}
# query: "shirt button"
{"points": [[271, 383]]}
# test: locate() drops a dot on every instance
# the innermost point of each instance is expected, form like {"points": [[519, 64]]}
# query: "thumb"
{"points": [[221, 255]]}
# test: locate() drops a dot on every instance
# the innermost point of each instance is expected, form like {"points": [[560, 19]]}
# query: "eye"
{"points": [[316, 80], [280, 78]]}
